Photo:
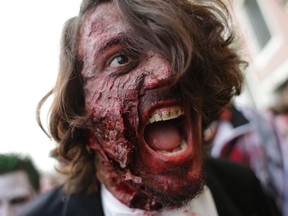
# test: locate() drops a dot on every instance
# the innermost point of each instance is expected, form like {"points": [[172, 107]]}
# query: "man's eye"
{"points": [[19, 200], [119, 60], [123, 61]]}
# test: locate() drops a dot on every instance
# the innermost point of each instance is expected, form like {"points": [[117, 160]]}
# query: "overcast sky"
{"points": [[29, 47]]}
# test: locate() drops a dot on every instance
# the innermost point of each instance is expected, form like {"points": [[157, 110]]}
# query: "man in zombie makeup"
{"points": [[139, 80]]}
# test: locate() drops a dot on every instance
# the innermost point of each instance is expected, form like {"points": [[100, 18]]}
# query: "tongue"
{"points": [[162, 136]]}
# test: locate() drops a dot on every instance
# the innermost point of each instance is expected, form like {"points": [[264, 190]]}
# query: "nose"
{"points": [[5, 209], [157, 72]]}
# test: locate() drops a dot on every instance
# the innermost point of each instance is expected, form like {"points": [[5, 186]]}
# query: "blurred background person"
{"points": [[50, 180], [19, 183], [245, 135], [278, 117]]}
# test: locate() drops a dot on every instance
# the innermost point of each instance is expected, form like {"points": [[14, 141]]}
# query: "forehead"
{"points": [[101, 24], [14, 184]]}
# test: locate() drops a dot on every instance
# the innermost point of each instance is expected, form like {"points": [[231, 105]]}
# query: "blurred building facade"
{"points": [[263, 27]]}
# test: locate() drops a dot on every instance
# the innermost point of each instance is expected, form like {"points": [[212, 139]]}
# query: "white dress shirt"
{"points": [[203, 205]]}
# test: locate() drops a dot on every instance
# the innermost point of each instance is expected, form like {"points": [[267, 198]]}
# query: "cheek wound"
{"points": [[115, 117]]}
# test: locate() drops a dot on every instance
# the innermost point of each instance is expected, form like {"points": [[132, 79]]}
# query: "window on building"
{"points": [[258, 22]]}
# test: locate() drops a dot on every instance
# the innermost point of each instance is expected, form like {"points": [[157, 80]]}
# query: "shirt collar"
{"points": [[201, 205]]}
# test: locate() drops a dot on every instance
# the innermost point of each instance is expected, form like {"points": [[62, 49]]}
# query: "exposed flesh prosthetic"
{"points": [[147, 141]]}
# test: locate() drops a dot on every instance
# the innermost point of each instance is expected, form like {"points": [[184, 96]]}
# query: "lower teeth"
{"points": [[176, 151]]}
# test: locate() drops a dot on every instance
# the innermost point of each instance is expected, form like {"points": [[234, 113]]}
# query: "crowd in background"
{"points": [[258, 139]]}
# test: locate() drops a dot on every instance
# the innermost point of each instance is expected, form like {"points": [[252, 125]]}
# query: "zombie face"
{"points": [[15, 192], [148, 141]]}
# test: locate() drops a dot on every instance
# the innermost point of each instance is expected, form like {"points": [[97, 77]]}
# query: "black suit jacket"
{"points": [[235, 190]]}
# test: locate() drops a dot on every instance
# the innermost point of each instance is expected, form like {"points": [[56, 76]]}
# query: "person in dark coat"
{"points": [[139, 80]]}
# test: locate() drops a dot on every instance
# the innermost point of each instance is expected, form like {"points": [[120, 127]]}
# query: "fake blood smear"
{"points": [[162, 136]]}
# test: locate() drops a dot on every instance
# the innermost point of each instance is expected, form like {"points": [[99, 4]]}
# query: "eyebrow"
{"points": [[121, 39]]}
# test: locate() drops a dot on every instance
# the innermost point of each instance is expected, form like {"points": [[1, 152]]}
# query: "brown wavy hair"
{"points": [[195, 36]]}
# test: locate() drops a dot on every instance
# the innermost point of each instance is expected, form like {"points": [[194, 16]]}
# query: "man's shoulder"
{"points": [[48, 203], [233, 177], [57, 203], [236, 188], [228, 168]]}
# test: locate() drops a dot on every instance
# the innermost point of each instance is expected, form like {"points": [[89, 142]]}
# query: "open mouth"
{"points": [[165, 133]]}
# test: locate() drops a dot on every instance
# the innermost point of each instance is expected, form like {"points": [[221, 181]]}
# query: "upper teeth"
{"points": [[169, 114]]}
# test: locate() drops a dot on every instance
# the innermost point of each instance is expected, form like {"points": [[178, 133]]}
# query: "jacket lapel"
{"points": [[224, 205], [79, 204]]}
